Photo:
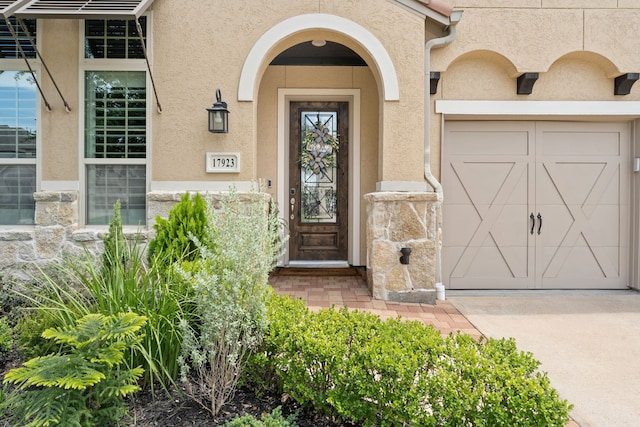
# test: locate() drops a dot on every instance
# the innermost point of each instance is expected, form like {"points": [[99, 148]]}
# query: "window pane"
{"points": [[8, 47], [108, 183], [17, 185], [17, 115], [115, 122], [114, 39]]}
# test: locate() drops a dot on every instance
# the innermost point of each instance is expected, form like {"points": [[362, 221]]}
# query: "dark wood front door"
{"points": [[318, 181]]}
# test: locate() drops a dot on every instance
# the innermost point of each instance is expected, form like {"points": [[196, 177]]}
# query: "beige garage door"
{"points": [[535, 205]]}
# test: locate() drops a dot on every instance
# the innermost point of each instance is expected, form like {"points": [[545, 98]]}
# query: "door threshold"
{"points": [[318, 264]]}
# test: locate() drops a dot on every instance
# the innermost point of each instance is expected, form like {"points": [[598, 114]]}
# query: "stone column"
{"points": [[397, 220]]}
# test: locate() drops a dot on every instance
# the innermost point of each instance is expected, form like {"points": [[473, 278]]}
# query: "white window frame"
{"points": [[18, 64], [106, 64]]}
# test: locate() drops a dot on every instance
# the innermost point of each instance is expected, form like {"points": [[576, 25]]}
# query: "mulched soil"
{"points": [[177, 411]]}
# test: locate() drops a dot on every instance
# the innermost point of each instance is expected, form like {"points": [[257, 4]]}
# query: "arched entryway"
{"points": [[319, 69], [367, 45]]}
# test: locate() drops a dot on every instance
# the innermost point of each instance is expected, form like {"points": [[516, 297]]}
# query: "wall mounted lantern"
{"points": [[218, 115]]}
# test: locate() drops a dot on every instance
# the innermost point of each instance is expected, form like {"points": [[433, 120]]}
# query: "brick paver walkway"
{"points": [[352, 292]]}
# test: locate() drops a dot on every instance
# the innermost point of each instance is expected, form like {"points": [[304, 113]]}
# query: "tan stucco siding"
{"points": [[528, 38], [533, 37], [222, 37], [401, 155], [59, 128], [613, 33], [578, 47]]}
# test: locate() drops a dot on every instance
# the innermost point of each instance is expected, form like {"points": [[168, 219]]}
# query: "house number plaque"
{"points": [[223, 162]]}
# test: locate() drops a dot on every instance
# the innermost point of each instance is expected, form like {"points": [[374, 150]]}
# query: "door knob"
{"points": [[292, 201]]}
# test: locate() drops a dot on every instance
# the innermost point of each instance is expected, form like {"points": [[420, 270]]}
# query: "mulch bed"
{"points": [[177, 411]]}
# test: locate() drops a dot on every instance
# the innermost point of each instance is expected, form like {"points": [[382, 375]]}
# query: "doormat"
{"points": [[295, 271]]}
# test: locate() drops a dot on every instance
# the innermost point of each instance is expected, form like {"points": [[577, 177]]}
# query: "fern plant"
{"points": [[122, 282], [85, 382]]}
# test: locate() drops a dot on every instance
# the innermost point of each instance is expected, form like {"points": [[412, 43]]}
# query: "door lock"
{"points": [[292, 201]]}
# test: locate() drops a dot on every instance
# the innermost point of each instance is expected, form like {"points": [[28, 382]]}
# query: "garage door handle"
{"points": [[533, 222], [539, 223]]}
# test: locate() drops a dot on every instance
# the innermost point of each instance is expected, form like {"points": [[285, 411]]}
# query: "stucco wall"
{"points": [[189, 65], [578, 47], [59, 128], [197, 47]]}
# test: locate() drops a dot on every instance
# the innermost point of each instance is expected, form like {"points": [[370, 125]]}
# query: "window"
{"points": [[113, 39], [115, 124], [8, 47], [18, 106]]}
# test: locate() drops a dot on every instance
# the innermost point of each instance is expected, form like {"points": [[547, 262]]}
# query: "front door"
{"points": [[318, 181]]}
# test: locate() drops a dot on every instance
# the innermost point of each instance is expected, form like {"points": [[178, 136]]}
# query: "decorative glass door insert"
{"points": [[319, 159]]}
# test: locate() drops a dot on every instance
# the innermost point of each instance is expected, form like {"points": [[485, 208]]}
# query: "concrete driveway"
{"points": [[588, 343]]}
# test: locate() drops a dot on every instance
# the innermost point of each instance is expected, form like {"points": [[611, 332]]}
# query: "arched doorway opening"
{"points": [[326, 77]]}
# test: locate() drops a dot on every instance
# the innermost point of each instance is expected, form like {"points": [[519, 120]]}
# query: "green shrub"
{"points": [[173, 241], [6, 336], [231, 282], [29, 334], [274, 419], [115, 253], [354, 366], [492, 383], [122, 282], [11, 304], [84, 383]]}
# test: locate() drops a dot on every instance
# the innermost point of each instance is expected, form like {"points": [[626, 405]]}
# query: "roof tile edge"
{"points": [[439, 6]]}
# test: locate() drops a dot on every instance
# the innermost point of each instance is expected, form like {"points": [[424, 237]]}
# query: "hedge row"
{"points": [[356, 367]]}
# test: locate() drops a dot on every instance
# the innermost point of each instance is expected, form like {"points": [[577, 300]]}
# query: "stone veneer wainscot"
{"points": [[23, 249]]}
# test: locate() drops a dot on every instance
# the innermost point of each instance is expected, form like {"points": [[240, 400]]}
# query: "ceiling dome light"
{"points": [[318, 43]]}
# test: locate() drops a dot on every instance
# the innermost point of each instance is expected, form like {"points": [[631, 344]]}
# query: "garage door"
{"points": [[535, 205]]}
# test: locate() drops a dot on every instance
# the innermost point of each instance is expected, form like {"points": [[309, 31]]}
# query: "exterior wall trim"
{"points": [[403, 186], [199, 186], [60, 186], [634, 228], [594, 109], [260, 50]]}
